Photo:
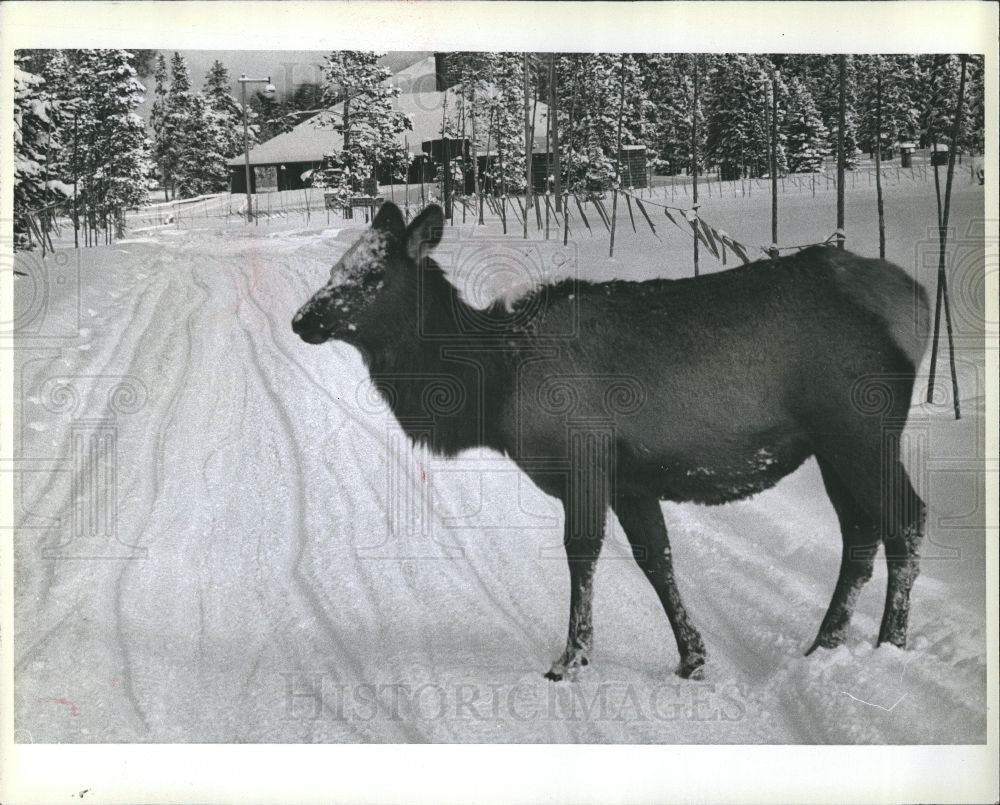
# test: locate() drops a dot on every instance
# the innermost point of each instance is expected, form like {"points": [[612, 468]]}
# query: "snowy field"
{"points": [[223, 538]]}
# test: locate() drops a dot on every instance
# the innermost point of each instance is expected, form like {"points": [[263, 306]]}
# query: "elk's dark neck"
{"points": [[424, 362]]}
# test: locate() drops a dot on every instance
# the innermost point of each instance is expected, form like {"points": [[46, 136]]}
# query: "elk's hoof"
{"points": [[825, 641], [569, 671], [692, 667]]}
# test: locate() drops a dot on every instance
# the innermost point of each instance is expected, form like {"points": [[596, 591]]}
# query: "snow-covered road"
{"points": [[222, 538]]}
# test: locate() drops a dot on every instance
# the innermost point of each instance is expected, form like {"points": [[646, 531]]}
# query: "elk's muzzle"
{"points": [[312, 324]]}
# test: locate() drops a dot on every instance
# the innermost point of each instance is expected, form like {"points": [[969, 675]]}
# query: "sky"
{"points": [[286, 68]]}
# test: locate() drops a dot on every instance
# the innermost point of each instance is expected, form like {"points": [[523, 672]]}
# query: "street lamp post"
{"points": [[269, 90]]}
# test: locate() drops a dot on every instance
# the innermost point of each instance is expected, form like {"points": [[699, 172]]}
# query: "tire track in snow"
{"points": [[48, 483], [303, 587], [166, 421], [374, 589], [133, 350], [534, 642]]}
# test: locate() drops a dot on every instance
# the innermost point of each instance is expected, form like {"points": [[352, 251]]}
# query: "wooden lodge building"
{"points": [[288, 161]]}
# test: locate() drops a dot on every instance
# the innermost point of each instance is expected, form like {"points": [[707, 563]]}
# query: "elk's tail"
{"points": [[886, 291]]}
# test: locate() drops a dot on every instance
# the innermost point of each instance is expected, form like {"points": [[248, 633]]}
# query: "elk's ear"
{"points": [[425, 232], [390, 220]]}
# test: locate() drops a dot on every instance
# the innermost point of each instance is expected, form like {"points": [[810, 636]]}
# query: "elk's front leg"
{"points": [[586, 503], [582, 538]]}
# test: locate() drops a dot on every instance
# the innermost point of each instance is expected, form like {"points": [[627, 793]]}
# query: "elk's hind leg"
{"points": [[903, 515], [860, 537], [643, 523]]}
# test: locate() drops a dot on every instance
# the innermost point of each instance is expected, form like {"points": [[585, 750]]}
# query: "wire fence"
{"points": [[671, 195]]}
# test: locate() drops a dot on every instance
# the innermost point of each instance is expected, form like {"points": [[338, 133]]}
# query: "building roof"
{"points": [[419, 99]]}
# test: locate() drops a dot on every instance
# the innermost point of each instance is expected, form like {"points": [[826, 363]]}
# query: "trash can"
{"points": [[906, 159], [939, 156]]}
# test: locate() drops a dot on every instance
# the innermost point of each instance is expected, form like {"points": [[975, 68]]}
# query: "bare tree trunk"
{"points": [[554, 124], [878, 157], [527, 145], [942, 292], [841, 157], [618, 157], [694, 152], [475, 160], [774, 165]]}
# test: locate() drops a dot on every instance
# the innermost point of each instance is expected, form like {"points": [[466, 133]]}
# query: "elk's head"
{"points": [[370, 281]]}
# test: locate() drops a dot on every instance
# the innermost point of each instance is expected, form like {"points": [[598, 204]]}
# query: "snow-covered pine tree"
{"points": [[62, 88], [184, 129], [588, 142], [974, 120], [939, 78], [269, 114], [819, 73], [113, 148], [305, 101], [162, 152], [202, 165], [503, 104], [223, 125], [470, 70], [667, 79], [807, 141], [32, 150], [739, 87], [368, 124], [900, 118]]}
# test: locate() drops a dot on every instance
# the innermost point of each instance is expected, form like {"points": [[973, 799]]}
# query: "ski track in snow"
{"points": [[257, 486]]}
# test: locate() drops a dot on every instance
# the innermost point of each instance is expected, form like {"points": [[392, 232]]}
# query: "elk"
{"points": [[624, 394]]}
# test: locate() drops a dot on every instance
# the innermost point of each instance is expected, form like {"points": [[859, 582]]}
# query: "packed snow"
{"points": [[223, 536]]}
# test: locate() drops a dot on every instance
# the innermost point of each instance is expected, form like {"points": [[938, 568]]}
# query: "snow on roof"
{"points": [[419, 99]]}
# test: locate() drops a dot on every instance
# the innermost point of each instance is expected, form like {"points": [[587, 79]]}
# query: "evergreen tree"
{"points": [[939, 80], [974, 127], [738, 91], [594, 94], [34, 109], [306, 100], [224, 123], [470, 70], [62, 86], [179, 127], [368, 124], [668, 82], [113, 149], [144, 61], [270, 116], [820, 74], [900, 118], [201, 164], [200, 132], [503, 104], [162, 155], [807, 139]]}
